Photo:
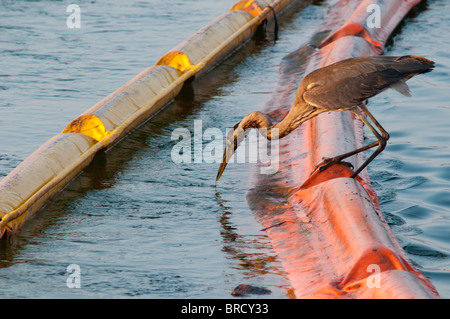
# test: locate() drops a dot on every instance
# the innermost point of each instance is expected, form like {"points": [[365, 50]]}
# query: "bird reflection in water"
{"points": [[250, 252]]}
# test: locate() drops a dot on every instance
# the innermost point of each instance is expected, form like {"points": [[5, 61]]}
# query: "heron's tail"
{"points": [[413, 64], [402, 68]]}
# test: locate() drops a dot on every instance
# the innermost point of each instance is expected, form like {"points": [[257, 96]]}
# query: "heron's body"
{"points": [[344, 85]]}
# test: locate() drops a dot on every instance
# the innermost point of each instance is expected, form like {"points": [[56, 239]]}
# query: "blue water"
{"points": [[412, 176], [139, 225]]}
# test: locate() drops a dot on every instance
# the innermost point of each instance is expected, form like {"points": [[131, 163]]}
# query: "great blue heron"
{"points": [[342, 86]]}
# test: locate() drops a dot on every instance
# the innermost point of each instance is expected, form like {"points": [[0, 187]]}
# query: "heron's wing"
{"points": [[348, 87], [348, 83]]}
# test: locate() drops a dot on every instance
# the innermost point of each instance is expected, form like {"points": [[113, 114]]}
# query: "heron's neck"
{"points": [[290, 122]]}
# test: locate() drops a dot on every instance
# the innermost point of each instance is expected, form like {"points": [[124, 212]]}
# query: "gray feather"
{"points": [[401, 87]]}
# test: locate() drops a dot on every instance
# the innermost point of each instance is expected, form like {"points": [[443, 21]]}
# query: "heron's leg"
{"points": [[328, 161], [382, 139], [384, 134], [381, 143]]}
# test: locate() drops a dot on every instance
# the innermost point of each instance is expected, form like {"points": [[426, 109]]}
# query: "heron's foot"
{"points": [[348, 164], [325, 163], [329, 161]]}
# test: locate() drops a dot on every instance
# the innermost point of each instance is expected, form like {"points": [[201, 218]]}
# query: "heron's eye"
{"points": [[310, 86]]}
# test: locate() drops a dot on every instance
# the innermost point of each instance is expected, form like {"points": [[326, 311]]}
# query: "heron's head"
{"points": [[237, 134]]}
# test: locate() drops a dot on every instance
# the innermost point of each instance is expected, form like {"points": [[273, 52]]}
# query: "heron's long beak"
{"points": [[234, 138], [229, 150]]}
